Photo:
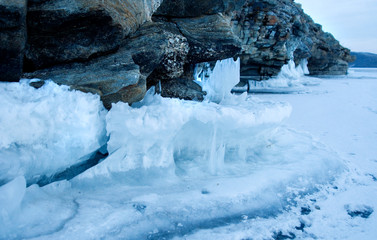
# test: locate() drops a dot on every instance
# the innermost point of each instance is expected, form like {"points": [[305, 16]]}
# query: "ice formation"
{"points": [[290, 79], [164, 132], [11, 195], [46, 130], [219, 82]]}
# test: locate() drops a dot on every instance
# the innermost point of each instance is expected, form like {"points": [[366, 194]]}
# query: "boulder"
{"points": [[62, 31], [12, 38], [114, 77], [159, 47], [210, 37], [182, 89]]}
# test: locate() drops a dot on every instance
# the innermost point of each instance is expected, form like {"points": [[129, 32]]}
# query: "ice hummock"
{"points": [[46, 130]]}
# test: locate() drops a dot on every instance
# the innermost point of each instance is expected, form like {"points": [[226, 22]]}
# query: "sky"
{"points": [[352, 22]]}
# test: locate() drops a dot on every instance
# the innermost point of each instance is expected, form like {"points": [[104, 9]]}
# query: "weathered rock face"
{"points": [[62, 31], [12, 38], [271, 33], [264, 28], [116, 48], [155, 47], [274, 31]]}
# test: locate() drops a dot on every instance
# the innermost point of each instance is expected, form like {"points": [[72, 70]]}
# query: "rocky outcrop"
{"points": [[271, 33], [119, 48], [12, 38], [265, 28], [275, 31]]}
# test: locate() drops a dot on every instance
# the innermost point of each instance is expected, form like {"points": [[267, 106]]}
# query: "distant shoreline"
{"points": [[364, 60]]}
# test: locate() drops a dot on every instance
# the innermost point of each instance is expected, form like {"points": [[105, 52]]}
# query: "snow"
{"points": [[264, 166], [46, 130]]}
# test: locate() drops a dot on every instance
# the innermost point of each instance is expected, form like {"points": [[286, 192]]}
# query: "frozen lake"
{"points": [[263, 166]]}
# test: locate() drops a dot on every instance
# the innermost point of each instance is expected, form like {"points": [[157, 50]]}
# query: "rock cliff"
{"points": [[119, 48], [12, 38]]}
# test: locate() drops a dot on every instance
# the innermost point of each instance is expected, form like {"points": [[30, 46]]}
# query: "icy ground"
{"points": [[265, 166]]}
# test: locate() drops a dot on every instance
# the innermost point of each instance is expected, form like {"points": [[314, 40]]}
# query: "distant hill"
{"points": [[363, 59]]}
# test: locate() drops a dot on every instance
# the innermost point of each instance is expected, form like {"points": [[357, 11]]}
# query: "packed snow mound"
{"points": [[47, 129]]}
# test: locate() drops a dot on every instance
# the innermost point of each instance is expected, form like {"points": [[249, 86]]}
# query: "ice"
{"points": [[163, 132], [46, 130], [290, 79], [42, 211], [291, 71], [11, 195], [168, 132], [218, 83]]}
